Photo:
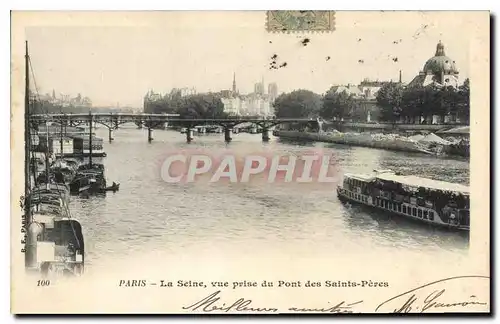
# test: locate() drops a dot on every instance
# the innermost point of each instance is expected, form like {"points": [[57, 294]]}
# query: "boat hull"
{"points": [[341, 195]]}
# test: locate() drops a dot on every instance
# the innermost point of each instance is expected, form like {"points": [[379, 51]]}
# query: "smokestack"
{"points": [[400, 77]]}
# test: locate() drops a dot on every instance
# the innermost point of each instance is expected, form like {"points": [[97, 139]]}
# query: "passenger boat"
{"points": [[425, 200]]}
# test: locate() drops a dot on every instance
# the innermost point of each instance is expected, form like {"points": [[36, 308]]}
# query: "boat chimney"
{"points": [[34, 229]]}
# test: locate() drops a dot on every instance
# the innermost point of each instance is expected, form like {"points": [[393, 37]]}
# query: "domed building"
{"points": [[440, 70]]}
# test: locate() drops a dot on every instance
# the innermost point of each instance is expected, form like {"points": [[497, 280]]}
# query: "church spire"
{"points": [[234, 82]]}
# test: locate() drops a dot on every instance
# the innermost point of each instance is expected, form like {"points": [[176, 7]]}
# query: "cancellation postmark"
{"points": [[292, 21]]}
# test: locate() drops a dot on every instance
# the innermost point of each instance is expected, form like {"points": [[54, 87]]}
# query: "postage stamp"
{"points": [[219, 168], [289, 21]]}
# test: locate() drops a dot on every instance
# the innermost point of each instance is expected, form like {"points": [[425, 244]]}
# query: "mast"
{"points": [[47, 156], [61, 139], [28, 217], [90, 139], [27, 140]]}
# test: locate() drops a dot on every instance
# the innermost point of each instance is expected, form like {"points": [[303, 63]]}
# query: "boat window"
{"points": [[420, 213], [404, 209], [399, 207], [425, 214], [414, 210], [390, 205], [431, 215]]}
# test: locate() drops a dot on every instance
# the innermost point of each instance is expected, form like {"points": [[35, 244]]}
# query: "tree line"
{"points": [[410, 105], [393, 103], [204, 105]]}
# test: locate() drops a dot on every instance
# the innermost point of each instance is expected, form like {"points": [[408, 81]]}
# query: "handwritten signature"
{"points": [[426, 298], [430, 297], [212, 303]]}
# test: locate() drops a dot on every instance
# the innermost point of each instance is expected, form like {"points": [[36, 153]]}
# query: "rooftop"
{"points": [[412, 181], [415, 181], [362, 177]]}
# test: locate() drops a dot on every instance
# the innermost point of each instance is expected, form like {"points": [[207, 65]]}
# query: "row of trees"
{"points": [[393, 103], [206, 105], [408, 104], [307, 104]]}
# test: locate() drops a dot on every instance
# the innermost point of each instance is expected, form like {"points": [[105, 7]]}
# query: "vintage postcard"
{"points": [[232, 162]]}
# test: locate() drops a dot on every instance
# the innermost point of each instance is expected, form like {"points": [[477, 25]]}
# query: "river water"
{"points": [[148, 213]]}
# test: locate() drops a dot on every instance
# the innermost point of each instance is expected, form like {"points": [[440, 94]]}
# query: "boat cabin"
{"points": [[411, 196], [60, 245]]}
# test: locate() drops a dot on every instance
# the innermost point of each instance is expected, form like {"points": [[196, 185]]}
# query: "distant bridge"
{"points": [[151, 121]]}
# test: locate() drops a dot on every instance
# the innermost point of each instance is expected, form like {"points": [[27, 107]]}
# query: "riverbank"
{"points": [[385, 142]]}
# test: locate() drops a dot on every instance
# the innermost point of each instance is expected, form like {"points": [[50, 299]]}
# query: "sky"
{"points": [[117, 57]]}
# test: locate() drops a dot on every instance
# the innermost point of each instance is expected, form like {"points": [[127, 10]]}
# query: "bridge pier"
{"points": [[110, 135], [253, 130], [150, 134], [265, 135], [236, 130], [227, 135], [189, 135], [202, 130]]}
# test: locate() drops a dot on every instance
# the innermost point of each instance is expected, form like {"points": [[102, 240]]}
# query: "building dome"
{"points": [[440, 63]]}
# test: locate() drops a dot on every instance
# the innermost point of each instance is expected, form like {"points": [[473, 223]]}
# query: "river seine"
{"points": [[148, 213]]}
